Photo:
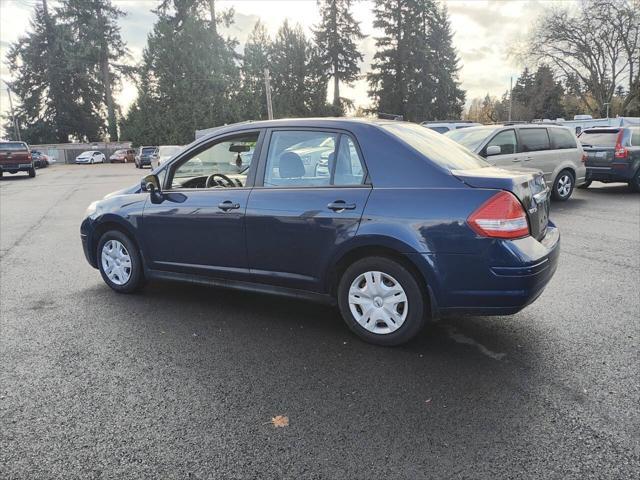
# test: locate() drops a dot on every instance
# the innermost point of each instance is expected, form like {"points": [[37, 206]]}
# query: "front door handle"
{"points": [[228, 205], [340, 205]]}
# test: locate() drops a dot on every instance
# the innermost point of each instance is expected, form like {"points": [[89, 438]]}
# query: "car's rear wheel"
{"points": [[634, 184], [381, 301], [119, 262], [32, 172], [586, 184], [563, 186]]}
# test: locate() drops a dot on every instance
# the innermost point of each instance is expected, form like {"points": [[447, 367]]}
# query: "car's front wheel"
{"points": [[563, 186], [119, 262], [381, 301]]}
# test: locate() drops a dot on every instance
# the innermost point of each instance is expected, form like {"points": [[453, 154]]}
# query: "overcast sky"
{"points": [[484, 30]]}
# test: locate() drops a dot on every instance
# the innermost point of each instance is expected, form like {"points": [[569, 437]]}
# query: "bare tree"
{"points": [[597, 44]]}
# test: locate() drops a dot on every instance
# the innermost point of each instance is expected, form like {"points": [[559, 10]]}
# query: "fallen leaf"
{"points": [[280, 421]]}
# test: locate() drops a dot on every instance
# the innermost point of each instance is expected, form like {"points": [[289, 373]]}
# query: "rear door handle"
{"points": [[228, 205], [340, 205]]}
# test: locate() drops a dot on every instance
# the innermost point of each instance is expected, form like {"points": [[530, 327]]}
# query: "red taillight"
{"points": [[620, 152], [502, 216], [584, 157]]}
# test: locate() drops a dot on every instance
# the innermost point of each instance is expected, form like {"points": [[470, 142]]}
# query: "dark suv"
{"points": [[613, 155], [16, 157], [402, 224], [144, 156]]}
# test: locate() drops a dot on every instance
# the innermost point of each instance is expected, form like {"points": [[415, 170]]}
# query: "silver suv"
{"points": [[553, 149]]}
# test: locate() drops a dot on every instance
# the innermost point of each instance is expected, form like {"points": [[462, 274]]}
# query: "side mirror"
{"points": [[493, 150]]}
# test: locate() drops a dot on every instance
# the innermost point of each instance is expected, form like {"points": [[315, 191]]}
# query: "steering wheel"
{"points": [[211, 180]]}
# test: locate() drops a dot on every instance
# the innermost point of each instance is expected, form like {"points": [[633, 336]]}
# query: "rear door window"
{"points": [[562, 139], [533, 139], [348, 169]]}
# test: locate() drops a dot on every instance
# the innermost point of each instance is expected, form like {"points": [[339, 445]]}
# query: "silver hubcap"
{"points": [[116, 262], [564, 185], [378, 302]]}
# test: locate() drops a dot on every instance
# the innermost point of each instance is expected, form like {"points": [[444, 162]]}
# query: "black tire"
{"points": [[415, 318], [559, 182], [136, 279], [585, 185], [634, 184], [32, 172]]}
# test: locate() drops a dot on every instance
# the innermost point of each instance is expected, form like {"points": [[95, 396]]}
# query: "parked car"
{"points": [[408, 225], [144, 156], [91, 156], [123, 156], [444, 127], [553, 149], [40, 160], [164, 153], [16, 157], [613, 155]]}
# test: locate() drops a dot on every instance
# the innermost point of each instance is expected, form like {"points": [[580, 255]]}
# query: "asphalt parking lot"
{"points": [[182, 381]]}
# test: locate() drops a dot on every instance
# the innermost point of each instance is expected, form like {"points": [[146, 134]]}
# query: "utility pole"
{"points": [[267, 87], [16, 130], [510, 96]]}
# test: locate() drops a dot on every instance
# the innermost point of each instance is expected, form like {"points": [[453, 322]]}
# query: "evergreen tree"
{"points": [[55, 98], [255, 60], [547, 95], [449, 98], [409, 77], [298, 82], [191, 76], [336, 38], [100, 48]]}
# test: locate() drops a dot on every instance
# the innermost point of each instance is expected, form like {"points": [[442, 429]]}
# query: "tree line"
{"points": [[588, 63], [70, 66]]}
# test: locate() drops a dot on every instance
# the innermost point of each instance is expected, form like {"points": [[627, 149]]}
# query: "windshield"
{"points": [[13, 146], [435, 147], [471, 137], [602, 138]]}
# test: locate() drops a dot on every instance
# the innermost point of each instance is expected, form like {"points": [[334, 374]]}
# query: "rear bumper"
{"points": [[502, 281], [16, 167], [622, 171]]}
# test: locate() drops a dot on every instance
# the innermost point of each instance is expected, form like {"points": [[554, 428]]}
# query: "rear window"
{"points": [[561, 138], [471, 138], [600, 138], [533, 139], [439, 129], [149, 150], [437, 148], [13, 146]]}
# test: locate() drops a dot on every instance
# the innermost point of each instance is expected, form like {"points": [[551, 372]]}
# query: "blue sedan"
{"points": [[393, 223]]}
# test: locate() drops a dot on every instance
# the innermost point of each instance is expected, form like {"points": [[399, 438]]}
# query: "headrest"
{"points": [[291, 165]]}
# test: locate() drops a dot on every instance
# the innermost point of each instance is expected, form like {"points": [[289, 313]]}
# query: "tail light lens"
{"points": [[502, 216], [621, 152], [584, 157]]}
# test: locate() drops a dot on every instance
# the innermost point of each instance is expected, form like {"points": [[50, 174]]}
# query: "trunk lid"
{"points": [[599, 144], [527, 185]]}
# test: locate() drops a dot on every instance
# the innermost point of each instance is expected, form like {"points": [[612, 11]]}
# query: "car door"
{"points": [[298, 216], [508, 156], [535, 151], [199, 227]]}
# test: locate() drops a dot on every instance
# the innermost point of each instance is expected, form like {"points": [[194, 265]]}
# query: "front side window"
{"points": [[225, 164], [534, 139], [562, 139], [506, 140], [299, 158]]}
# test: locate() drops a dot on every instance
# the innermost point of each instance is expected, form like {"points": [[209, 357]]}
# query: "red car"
{"points": [[16, 157], [123, 156]]}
